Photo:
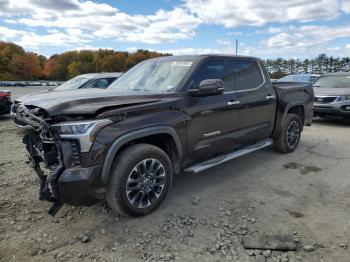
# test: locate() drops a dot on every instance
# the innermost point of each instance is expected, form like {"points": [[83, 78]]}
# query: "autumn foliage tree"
{"points": [[16, 64], [73, 63]]}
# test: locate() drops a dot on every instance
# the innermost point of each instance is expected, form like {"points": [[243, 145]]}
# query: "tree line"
{"points": [[17, 64], [320, 65]]}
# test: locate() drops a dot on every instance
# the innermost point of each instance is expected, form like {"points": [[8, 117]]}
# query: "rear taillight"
{"points": [[5, 94]]}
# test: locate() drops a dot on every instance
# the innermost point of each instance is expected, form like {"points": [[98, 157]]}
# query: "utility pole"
{"points": [[236, 46]]}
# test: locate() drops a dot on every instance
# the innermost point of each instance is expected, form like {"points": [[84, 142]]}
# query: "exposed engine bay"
{"points": [[44, 146]]}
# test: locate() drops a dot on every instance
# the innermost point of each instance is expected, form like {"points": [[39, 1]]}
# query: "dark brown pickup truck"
{"points": [[164, 116]]}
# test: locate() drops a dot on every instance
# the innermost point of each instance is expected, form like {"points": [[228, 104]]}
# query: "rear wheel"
{"points": [[289, 137], [141, 178]]}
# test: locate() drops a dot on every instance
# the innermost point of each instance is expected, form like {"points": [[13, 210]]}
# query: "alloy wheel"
{"points": [[293, 134], [145, 183]]}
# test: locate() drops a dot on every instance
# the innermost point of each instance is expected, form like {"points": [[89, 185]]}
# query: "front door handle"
{"points": [[231, 103], [270, 97]]}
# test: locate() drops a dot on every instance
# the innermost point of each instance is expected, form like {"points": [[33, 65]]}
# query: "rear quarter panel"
{"points": [[291, 95]]}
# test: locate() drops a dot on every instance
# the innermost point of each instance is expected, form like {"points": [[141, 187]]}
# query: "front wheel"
{"points": [[141, 178], [288, 139]]}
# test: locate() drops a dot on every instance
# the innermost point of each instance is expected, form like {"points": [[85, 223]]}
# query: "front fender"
{"points": [[122, 140]]}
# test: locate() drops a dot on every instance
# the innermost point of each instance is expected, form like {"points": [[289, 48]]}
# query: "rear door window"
{"points": [[247, 74]]}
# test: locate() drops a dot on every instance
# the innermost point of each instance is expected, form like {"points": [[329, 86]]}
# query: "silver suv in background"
{"points": [[92, 80], [332, 96]]}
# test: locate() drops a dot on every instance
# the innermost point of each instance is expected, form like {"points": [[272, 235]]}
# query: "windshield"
{"points": [[340, 81], [73, 83], [158, 76]]}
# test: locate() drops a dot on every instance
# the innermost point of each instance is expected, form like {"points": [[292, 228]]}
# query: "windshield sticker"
{"points": [[181, 63]]}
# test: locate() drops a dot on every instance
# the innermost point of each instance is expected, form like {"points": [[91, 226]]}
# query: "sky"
{"points": [[268, 28]]}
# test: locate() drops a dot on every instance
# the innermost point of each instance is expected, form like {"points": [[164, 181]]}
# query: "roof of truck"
{"points": [[194, 57]]}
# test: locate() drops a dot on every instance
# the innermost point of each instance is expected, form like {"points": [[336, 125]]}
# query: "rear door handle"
{"points": [[269, 97], [231, 103]]}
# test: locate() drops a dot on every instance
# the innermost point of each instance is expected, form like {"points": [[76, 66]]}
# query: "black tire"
{"points": [[285, 141], [131, 177]]}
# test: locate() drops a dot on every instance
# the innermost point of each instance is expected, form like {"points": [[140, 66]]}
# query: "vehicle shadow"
{"points": [[330, 122], [4, 117], [235, 175]]}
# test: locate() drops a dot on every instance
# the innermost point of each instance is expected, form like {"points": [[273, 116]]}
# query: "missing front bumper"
{"points": [[48, 190]]}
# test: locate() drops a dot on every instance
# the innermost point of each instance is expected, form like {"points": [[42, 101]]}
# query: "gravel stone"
{"points": [[309, 248], [84, 238], [195, 201], [267, 253]]}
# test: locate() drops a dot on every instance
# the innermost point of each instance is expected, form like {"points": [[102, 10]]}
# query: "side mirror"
{"points": [[209, 87]]}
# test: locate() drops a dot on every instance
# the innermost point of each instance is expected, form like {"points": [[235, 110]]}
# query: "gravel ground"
{"points": [[304, 194]]}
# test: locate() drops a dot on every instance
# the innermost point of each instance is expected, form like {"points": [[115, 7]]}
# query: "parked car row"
{"points": [[29, 83]]}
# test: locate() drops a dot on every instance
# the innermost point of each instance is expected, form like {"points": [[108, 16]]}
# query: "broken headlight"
{"points": [[83, 131]]}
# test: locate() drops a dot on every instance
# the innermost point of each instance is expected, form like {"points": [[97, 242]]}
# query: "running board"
{"points": [[222, 159]]}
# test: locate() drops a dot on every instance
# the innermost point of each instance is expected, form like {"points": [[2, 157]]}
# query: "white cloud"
{"points": [[34, 41], [305, 41], [251, 12], [237, 33], [306, 36], [54, 8], [54, 37], [162, 27], [346, 6], [274, 30], [104, 21], [224, 42], [76, 24], [6, 33], [334, 49]]}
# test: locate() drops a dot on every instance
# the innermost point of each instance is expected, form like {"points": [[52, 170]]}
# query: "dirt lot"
{"points": [[304, 194]]}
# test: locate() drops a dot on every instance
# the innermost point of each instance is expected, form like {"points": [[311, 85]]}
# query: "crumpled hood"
{"points": [[85, 101], [324, 91]]}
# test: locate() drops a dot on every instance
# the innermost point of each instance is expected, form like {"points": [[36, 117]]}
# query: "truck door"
{"points": [[257, 99], [213, 120]]}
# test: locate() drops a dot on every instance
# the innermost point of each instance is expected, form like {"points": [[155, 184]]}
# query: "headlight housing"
{"points": [[343, 98], [84, 131]]}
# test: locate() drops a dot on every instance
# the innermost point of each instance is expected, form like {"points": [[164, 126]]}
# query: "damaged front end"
{"points": [[63, 145], [44, 145]]}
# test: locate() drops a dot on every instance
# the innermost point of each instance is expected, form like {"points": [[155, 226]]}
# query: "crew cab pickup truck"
{"points": [[162, 117]]}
